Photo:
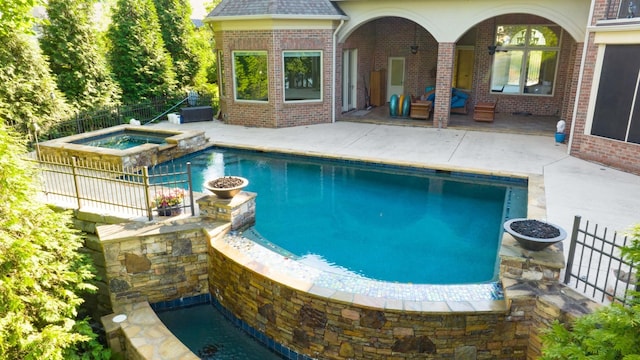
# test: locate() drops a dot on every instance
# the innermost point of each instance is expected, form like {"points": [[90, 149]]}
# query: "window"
{"points": [[221, 73], [250, 75], [525, 59], [616, 113], [302, 75]]}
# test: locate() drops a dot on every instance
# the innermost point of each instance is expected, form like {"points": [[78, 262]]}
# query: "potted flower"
{"points": [[226, 187], [169, 201], [533, 234]]}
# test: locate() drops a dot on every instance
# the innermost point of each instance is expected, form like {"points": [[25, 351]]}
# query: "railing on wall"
{"points": [[621, 9], [90, 185], [595, 266]]}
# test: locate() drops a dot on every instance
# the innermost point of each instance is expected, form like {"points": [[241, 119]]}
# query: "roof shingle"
{"points": [[275, 7]]}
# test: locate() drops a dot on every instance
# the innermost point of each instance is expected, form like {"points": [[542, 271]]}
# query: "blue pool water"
{"points": [[123, 140], [206, 332], [391, 224]]}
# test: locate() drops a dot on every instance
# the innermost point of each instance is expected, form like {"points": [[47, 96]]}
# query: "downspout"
{"points": [[579, 85], [333, 82]]}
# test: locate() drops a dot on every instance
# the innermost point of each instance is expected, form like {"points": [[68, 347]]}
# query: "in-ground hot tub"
{"points": [[126, 145]]}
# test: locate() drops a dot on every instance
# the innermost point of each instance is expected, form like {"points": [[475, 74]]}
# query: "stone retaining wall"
{"points": [[158, 261]]}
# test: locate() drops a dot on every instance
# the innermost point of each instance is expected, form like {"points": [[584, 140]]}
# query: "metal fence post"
{"points": [[147, 196], [572, 248], [190, 184], [75, 179]]}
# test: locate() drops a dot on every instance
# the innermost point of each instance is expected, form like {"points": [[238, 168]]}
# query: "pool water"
{"points": [[123, 140], [385, 223], [208, 334]]}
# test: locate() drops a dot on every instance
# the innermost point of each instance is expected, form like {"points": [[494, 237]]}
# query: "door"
{"points": [[463, 75], [349, 79], [395, 83]]}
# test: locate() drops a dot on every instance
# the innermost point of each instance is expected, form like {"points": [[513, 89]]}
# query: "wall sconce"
{"points": [[414, 47], [493, 48]]}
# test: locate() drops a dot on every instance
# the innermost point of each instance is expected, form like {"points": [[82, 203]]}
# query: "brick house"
{"points": [[295, 62]]}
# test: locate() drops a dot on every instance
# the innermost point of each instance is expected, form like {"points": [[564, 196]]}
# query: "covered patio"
{"points": [[504, 122]]}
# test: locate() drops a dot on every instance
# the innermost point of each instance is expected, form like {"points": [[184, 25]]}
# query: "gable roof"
{"points": [[276, 8]]}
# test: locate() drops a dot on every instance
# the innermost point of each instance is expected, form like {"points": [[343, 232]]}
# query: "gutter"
{"points": [[333, 81]]}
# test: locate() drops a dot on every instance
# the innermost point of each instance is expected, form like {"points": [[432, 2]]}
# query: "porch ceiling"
{"points": [[436, 16]]}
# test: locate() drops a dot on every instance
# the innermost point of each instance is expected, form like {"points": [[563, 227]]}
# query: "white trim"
{"points": [[233, 67], [633, 106], [595, 84], [284, 90]]}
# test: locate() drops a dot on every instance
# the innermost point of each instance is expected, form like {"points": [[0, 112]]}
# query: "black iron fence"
{"points": [[96, 186], [595, 266], [145, 112]]}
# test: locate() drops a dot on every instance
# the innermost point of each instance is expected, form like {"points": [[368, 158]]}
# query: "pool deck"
{"points": [[600, 194]]}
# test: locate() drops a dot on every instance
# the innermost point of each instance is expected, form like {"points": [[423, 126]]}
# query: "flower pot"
{"points": [[223, 191], [169, 210], [534, 234]]}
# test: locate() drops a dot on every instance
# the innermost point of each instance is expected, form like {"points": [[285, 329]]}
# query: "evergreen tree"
{"points": [[71, 44], [28, 93], [41, 270], [138, 59], [177, 34]]}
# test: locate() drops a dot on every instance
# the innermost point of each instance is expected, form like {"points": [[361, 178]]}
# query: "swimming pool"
{"points": [[387, 223], [124, 139], [208, 334]]}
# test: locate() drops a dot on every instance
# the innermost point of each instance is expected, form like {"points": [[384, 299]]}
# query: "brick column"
{"points": [[442, 105]]}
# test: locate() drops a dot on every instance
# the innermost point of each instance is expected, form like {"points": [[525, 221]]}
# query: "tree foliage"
{"points": [[138, 58], [41, 271], [611, 332], [15, 16], [71, 44], [28, 92], [177, 34]]}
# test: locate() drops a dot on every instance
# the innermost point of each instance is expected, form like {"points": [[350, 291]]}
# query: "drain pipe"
{"points": [[333, 82]]}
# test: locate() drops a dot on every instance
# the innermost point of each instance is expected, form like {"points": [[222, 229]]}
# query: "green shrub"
{"points": [[611, 332]]}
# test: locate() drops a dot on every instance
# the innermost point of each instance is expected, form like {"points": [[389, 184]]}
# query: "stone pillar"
{"points": [[240, 210], [442, 105]]}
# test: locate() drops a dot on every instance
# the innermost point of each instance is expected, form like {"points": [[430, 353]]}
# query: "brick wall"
{"points": [[614, 153], [275, 113]]}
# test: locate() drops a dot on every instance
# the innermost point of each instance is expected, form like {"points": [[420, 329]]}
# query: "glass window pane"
{"points": [[250, 75], [507, 67], [397, 72], [302, 75], [541, 69], [541, 35], [511, 35], [221, 73]]}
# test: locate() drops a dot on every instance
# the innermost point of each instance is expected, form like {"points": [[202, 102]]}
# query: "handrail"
{"points": [[167, 111]]}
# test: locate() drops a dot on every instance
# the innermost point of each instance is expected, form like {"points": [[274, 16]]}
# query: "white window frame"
{"points": [[321, 72], [525, 49], [235, 85]]}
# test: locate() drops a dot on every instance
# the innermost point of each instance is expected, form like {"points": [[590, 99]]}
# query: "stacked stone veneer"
{"points": [[239, 211], [156, 262], [178, 143], [327, 328]]}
